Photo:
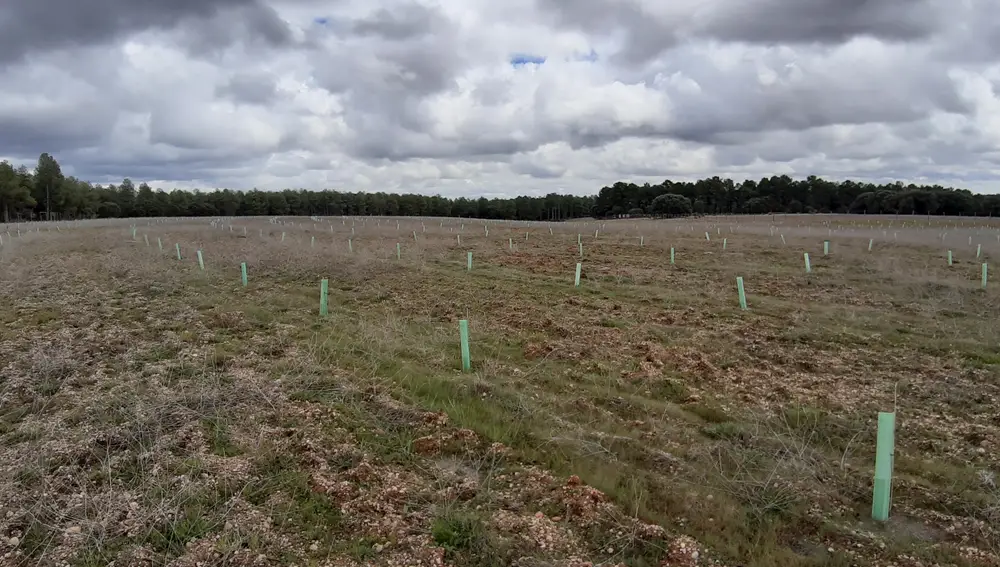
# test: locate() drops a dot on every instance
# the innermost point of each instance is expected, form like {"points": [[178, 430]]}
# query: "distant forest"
{"points": [[46, 193]]}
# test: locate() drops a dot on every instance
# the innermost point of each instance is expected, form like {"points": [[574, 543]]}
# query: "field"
{"points": [[156, 413]]}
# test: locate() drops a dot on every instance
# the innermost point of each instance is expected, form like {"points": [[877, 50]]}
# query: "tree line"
{"points": [[45, 193], [782, 194]]}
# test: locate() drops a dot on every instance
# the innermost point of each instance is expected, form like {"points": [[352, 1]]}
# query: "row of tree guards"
{"points": [[885, 445], [741, 294]]}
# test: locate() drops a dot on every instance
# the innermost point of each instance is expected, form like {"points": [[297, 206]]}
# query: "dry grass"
{"points": [[152, 413]]}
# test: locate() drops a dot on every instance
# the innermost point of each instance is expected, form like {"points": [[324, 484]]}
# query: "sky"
{"points": [[473, 98]]}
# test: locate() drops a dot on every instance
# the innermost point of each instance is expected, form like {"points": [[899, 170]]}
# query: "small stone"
{"points": [[74, 530], [830, 549], [314, 547], [13, 542], [379, 547]]}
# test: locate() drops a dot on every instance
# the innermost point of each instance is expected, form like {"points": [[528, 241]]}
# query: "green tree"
{"points": [[15, 195], [47, 183], [75, 199], [126, 198], [50, 194], [180, 203], [277, 204], [671, 205], [145, 201], [229, 202], [758, 206], [254, 203]]}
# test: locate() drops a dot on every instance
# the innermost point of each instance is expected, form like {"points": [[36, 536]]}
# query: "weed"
{"points": [[725, 430], [172, 535], [362, 550], [458, 531], [44, 316], [38, 536], [160, 352], [466, 539], [217, 432], [308, 514], [708, 413], [219, 358], [22, 435], [670, 390]]}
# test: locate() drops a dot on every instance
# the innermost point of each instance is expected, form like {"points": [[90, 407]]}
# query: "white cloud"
{"points": [[421, 96]]}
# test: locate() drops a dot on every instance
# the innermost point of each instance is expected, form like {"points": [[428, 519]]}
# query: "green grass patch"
{"points": [[219, 441], [466, 539], [193, 522], [295, 507], [708, 412]]}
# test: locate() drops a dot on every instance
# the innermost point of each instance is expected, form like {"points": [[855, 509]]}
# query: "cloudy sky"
{"points": [[472, 97]]}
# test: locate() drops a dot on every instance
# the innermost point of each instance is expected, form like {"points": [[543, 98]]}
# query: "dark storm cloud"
{"points": [[386, 66], [250, 88], [593, 133], [912, 145], [807, 95], [253, 26], [409, 52], [647, 35], [793, 109], [527, 166], [823, 21], [177, 166], [389, 142], [26, 133], [977, 37], [28, 26], [406, 22]]}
